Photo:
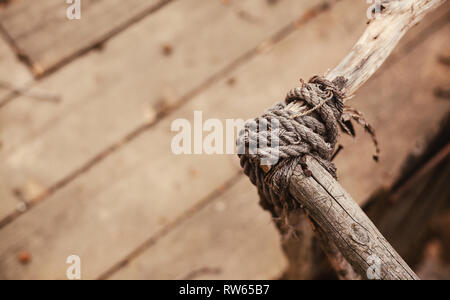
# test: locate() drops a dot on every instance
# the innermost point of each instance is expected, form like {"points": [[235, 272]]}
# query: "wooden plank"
{"points": [[45, 37], [108, 208], [12, 74], [105, 214], [160, 261], [106, 95], [8, 203], [209, 246]]}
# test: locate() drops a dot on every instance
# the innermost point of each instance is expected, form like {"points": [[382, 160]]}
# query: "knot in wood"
{"points": [[359, 234]]}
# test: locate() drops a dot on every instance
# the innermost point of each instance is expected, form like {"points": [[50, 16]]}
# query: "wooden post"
{"points": [[347, 230], [345, 224]]}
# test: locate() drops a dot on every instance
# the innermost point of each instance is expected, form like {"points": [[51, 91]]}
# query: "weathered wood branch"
{"points": [[345, 224], [379, 40], [344, 270], [346, 227]]}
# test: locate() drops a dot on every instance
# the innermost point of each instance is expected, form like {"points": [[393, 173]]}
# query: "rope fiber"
{"points": [[313, 131]]}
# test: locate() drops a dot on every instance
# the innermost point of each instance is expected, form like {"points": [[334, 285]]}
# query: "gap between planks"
{"points": [[84, 50], [23, 58], [280, 35], [216, 193], [435, 26], [260, 48], [412, 44]]}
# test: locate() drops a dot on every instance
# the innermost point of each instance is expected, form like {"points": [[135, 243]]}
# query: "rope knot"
{"points": [[281, 137]]}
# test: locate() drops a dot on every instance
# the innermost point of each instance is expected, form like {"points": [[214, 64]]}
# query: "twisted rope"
{"points": [[313, 132]]}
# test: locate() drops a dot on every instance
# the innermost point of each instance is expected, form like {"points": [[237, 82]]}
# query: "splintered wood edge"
{"points": [[379, 40], [328, 204]]}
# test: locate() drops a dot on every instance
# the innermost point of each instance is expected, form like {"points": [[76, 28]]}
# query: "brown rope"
{"points": [[313, 132]]}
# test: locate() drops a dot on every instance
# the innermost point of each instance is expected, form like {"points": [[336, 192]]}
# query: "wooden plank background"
{"points": [[12, 75], [12, 72], [45, 38], [95, 168], [108, 95]]}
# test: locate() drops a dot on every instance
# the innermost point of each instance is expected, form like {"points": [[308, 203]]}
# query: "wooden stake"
{"points": [[346, 227]]}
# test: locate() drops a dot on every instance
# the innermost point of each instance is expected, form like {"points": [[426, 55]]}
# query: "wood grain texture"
{"points": [[362, 176], [98, 209], [345, 224], [108, 94], [407, 215], [404, 88], [380, 38], [12, 74], [340, 265], [241, 249], [45, 37], [326, 202]]}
